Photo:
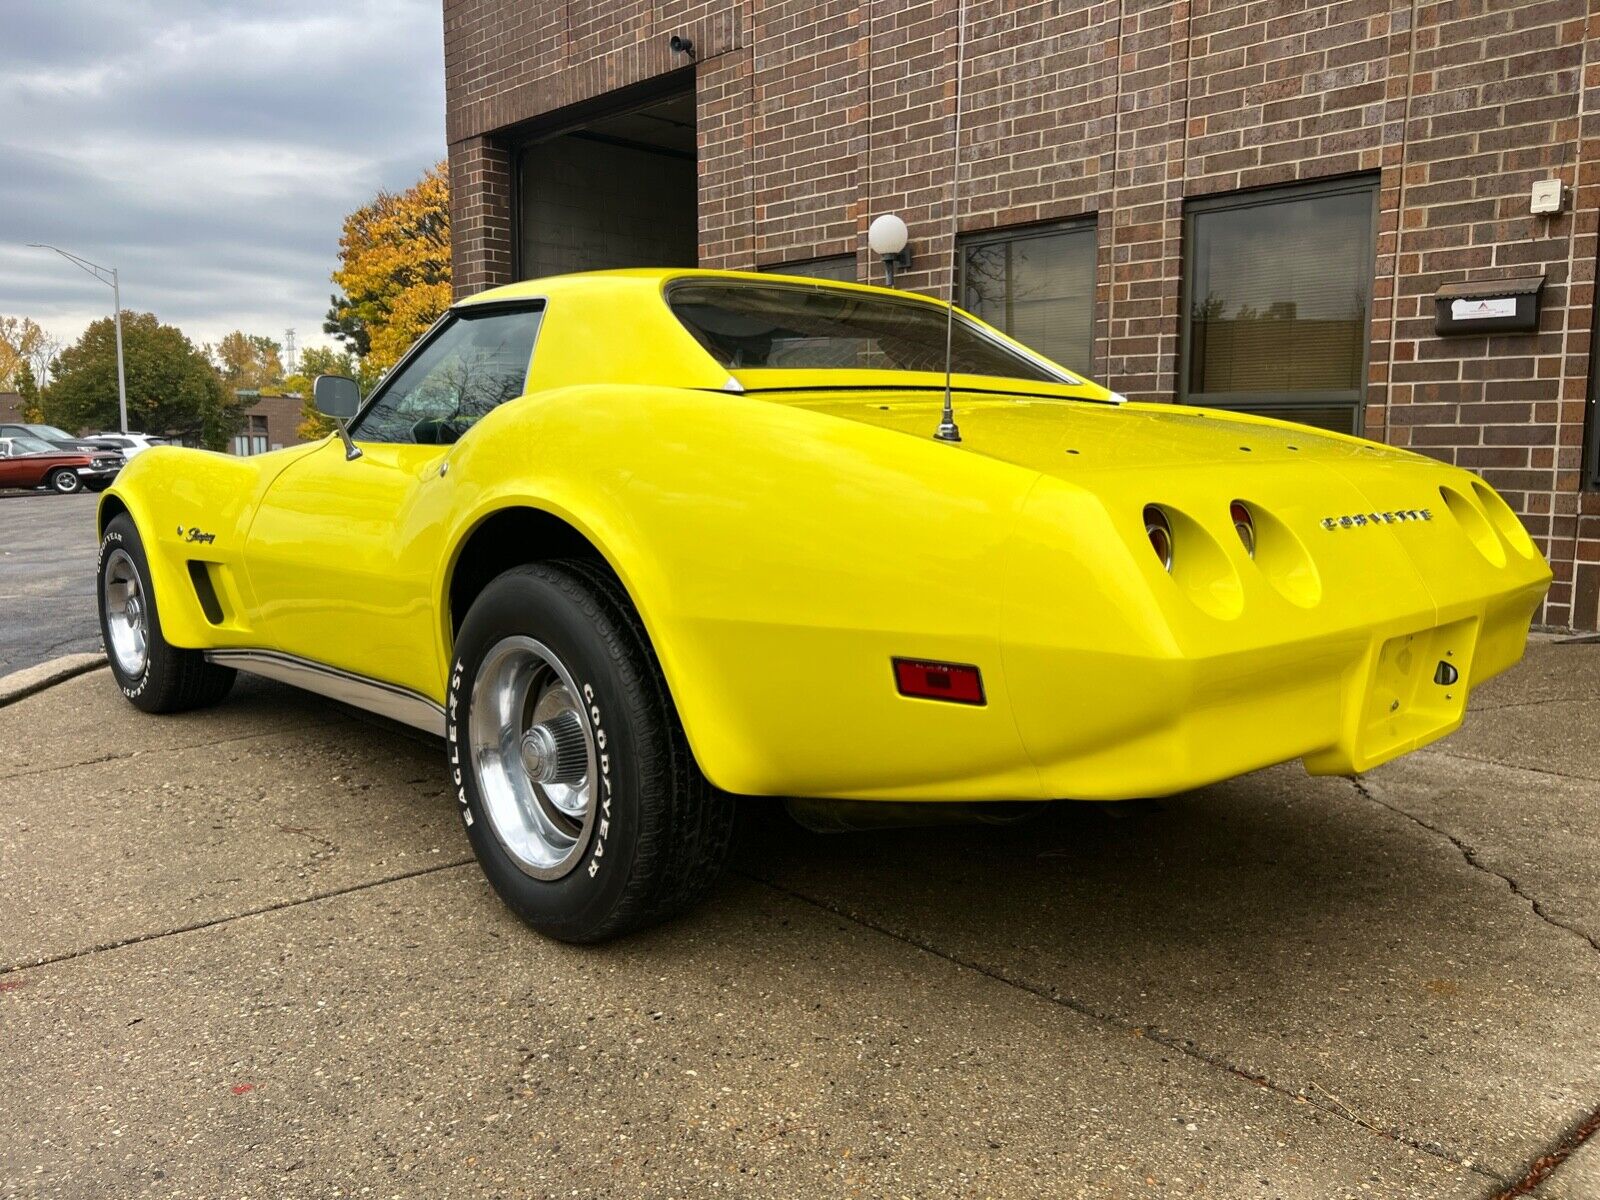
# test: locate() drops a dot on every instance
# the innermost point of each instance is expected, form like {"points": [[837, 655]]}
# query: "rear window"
{"points": [[751, 326]]}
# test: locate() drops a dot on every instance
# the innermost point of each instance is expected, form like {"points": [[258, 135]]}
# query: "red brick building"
{"points": [[1241, 203]]}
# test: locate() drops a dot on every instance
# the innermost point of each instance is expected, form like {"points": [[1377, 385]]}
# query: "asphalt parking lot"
{"points": [[246, 953], [47, 565]]}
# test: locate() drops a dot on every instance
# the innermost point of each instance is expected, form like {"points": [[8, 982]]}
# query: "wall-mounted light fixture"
{"points": [[886, 237]]}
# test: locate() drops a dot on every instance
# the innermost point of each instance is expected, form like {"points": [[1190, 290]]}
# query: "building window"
{"points": [[1037, 285], [840, 268], [253, 439], [1278, 300]]}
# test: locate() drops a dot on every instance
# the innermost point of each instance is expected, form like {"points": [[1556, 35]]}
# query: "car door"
{"points": [[343, 552]]}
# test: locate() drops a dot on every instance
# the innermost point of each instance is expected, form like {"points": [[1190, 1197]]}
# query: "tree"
{"points": [[248, 361], [28, 389], [173, 387], [23, 341], [394, 271]]}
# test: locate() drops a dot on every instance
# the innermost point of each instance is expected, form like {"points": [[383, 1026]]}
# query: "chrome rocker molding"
{"points": [[384, 699]]}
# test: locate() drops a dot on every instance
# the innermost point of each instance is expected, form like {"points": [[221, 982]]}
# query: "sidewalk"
{"points": [[252, 957]]}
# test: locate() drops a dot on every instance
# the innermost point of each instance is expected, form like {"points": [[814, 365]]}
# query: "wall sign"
{"points": [[1483, 310]]}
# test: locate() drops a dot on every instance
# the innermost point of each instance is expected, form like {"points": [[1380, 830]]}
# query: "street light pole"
{"points": [[107, 276], [122, 382]]}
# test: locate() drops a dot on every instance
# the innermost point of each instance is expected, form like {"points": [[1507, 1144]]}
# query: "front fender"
{"points": [[196, 505]]}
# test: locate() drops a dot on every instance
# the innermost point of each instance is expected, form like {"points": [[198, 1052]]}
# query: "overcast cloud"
{"points": [[207, 148]]}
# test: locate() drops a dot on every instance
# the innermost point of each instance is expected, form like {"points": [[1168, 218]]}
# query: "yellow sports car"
{"points": [[635, 542]]}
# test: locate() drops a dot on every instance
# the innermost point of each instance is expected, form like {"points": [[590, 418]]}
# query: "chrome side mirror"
{"points": [[339, 397]]}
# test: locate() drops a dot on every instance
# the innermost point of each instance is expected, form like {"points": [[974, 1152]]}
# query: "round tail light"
{"points": [[1159, 530], [1244, 525]]}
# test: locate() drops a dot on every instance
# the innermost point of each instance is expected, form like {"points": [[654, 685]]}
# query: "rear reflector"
{"points": [[955, 682]]}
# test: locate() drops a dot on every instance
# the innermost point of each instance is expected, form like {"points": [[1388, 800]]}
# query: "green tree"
{"points": [[173, 387], [28, 389]]}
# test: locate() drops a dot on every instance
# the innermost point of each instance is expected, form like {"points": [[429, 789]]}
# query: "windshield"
{"points": [[790, 327], [26, 443], [50, 431]]}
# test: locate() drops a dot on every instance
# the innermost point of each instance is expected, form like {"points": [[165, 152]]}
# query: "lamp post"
{"points": [[107, 276]]}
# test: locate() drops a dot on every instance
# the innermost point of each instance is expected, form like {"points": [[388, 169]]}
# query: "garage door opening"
{"points": [[618, 190]]}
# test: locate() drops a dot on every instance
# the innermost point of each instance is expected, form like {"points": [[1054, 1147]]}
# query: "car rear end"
{"points": [[1312, 599]]}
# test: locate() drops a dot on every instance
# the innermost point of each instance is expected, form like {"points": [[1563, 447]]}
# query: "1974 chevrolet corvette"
{"points": [[637, 542]]}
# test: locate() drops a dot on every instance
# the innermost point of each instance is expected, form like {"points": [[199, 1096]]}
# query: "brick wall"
{"points": [[816, 115]]}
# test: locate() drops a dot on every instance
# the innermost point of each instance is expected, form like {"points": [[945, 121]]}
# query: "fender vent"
{"points": [[200, 576]]}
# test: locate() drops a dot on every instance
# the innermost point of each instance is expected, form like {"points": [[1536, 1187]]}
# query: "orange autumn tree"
{"points": [[393, 276]]}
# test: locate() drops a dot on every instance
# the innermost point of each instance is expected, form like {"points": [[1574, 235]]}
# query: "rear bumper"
{"points": [[1342, 702]]}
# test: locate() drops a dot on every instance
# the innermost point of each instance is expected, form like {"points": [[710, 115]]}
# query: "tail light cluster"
{"points": [[1209, 575], [1158, 528]]}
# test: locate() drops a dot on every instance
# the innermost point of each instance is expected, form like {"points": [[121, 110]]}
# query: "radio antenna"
{"points": [[948, 431]]}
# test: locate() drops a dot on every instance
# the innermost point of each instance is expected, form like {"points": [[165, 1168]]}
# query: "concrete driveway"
{"points": [[245, 953], [47, 571]]}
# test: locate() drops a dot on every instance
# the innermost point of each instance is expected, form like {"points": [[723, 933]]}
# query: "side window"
{"points": [[473, 365]]}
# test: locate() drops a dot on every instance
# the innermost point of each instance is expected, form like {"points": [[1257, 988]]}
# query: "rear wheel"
{"points": [[64, 481], [581, 797], [155, 675]]}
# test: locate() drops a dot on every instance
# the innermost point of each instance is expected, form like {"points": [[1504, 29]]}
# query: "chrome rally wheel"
{"points": [[533, 753], [153, 674], [574, 780], [127, 614]]}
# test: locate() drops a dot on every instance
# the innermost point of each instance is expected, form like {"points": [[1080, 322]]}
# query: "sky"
{"points": [[208, 149]]}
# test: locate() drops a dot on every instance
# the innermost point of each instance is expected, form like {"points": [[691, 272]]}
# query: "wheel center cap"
{"points": [[133, 610], [555, 751], [539, 754]]}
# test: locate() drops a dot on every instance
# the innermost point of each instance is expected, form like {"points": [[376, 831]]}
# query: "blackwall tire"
{"points": [[640, 835], [64, 482], [154, 675]]}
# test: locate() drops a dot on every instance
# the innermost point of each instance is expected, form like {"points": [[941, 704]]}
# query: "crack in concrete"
{"points": [[1180, 1045], [1470, 854], [1509, 766], [1483, 708], [1546, 1165], [119, 755], [157, 935]]}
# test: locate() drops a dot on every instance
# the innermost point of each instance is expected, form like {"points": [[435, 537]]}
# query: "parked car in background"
{"points": [[30, 462], [57, 439], [127, 444]]}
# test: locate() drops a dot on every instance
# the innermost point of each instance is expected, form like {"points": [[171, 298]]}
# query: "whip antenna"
{"points": [[948, 431]]}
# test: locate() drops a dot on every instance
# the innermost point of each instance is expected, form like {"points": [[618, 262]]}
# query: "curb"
{"points": [[29, 680]]}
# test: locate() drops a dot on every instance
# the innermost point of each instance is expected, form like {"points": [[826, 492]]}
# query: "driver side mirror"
{"points": [[336, 396]]}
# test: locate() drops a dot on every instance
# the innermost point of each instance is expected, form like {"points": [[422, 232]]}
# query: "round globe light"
{"points": [[887, 235]]}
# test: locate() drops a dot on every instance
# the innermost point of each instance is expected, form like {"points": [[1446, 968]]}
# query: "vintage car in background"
{"points": [[30, 462], [52, 436], [634, 543]]}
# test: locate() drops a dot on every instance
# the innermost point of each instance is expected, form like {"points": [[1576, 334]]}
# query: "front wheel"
{"points": [[580, 794], [64, 482], [153, 674]]}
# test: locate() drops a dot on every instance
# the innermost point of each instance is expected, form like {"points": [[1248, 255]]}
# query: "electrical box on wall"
{"points": [[1488, 306]]}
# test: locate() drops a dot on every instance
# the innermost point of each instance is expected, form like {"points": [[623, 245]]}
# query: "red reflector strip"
{"points": [[955, 682]]}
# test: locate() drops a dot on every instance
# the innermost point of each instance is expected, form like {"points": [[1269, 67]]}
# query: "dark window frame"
{"points": [[1086, 223], [1589, 476], [789, 268], [1356, 399], [526, 304]]}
